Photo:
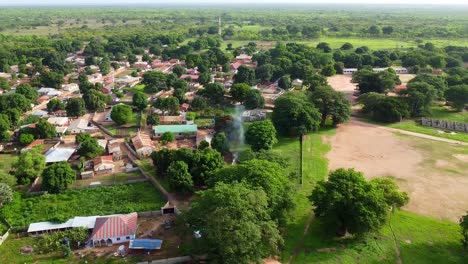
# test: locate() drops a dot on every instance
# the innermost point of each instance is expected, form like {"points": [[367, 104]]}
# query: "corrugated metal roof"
{"points": [[175, 128], [114, 226], [58, 154], [145, 243], [79, 221]]}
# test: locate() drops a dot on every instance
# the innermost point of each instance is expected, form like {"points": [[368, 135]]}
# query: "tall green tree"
{"points": [[239, 91], [260, 173], [58, 177], [29, 165], [88, 146], [294, 115], [140, 100], [419, 96], [351, 204], [379, 82], [246, 75], [261, 135], [44, 130], [234, 224], [179, 177], [254, 99], [55, 104], [214, 92], [28, 91], [220, 143], [75, 107], [331, 103], [121, 114], [458, 96]]}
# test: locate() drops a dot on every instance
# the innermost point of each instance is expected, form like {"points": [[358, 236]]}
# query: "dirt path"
{"points": [[356, 121], [300, 245]]}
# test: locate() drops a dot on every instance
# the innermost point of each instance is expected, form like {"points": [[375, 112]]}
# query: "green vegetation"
{"points": [[315, 169], [443, 113], [126, 198], [419, 239], [414, 127]]}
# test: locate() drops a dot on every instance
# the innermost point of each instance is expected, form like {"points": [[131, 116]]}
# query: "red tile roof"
{"points": [[401, 87], [114, 226], [36, 142]]}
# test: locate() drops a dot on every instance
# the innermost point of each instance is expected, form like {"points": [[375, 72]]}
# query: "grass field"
{"points": [[443, 113], [315, 169], [6, 161], [372, 43], [124, 198], [149, 168], [419, 239], [411, 125]]}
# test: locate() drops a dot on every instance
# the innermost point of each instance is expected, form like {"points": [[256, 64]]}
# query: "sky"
{"points": [[155, 2]]}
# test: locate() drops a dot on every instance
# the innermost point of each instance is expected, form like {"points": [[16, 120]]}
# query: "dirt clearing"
{"points": [[433, 173]]}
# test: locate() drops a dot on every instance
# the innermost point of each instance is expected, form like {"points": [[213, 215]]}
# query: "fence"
{"points": [[150, 213], [169, 260], [4, 237], [444, 124]]}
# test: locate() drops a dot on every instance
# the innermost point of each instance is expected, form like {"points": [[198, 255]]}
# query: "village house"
{"points": [[40, 113], [81, 126], [37, 142], [54, 155], [103, 164], [143, 144], [141, 65], [42, 99], [70, 87], [127, 81], [59, 121], [179, 131], [113, 148], [244, 58], [60, 113], [234, 66], [114, 229], [51, 92]]}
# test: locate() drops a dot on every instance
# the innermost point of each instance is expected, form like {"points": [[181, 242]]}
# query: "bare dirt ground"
{"points": [[343, 84], [433, 173]]}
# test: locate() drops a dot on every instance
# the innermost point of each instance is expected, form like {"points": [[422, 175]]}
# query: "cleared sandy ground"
{"points": [[437, 182]]}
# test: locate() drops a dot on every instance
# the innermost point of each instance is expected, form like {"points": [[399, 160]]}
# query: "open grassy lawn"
{"points": [[419, 239], [335, 43], [410, 125], [125, 198], [113, 178], [6, 161], [315, 169], [440, 112]]}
